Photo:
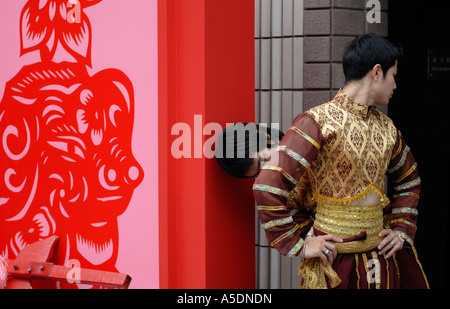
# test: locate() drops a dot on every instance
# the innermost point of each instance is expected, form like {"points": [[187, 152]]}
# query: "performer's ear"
{"points": [[376, 71]]}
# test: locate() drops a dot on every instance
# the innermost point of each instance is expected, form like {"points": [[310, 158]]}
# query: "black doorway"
{"points": [[420, 109]]}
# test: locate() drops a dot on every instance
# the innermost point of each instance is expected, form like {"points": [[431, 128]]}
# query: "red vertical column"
{"points": [[206, 73]]}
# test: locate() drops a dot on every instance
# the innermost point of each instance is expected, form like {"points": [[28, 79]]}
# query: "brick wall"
{"points": [[328, 26]]}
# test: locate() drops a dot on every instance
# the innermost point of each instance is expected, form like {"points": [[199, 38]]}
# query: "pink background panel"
{"points": [[124, 37]]}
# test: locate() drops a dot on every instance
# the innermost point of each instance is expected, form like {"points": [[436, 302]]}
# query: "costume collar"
{"points": [[351, 105]]}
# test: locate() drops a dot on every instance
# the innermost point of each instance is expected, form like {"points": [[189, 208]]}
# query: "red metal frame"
{"points": [[32, 263]]}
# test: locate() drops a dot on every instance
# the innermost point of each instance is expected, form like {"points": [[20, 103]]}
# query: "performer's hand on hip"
{"points": [[322, 247], [391, 242]]}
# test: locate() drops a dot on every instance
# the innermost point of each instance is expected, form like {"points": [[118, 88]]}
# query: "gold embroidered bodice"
{"points": [[356, 149], [329, 173]]}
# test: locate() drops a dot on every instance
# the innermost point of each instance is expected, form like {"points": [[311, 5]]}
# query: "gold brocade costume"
{"points": [[357, 147], [330, 173]]}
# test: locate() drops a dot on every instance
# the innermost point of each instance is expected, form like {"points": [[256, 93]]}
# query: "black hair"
{"points": [[237, 145], [366, 51]]}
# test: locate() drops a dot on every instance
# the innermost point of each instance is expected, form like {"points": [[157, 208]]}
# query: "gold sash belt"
{"points": [[345, 218], [358, 246], [313, 272]]}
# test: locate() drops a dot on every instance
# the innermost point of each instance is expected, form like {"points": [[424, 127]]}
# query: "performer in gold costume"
{"points": [[322, 196]]}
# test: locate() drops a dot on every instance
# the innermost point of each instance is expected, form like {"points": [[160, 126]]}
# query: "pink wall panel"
{"points": [[78, 129]]}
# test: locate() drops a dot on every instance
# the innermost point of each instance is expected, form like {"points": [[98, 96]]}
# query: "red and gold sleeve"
{"points": [[405, 179], [285, 226]]}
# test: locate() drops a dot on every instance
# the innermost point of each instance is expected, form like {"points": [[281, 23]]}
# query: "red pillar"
{"points": [[206, 70]]}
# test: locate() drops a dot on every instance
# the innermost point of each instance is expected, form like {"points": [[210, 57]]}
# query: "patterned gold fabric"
{"points": [[357, 147]]}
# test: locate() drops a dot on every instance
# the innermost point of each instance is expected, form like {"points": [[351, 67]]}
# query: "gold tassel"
{"points": [[313, 274]]}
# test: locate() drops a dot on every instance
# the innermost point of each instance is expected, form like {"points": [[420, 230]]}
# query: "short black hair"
{"points": [[366, 51], [235, 151]]}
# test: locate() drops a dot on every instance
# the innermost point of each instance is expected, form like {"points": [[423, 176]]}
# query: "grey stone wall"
{"points": [[328, 26]]}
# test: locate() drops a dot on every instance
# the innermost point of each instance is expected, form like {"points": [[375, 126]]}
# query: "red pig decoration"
{"points": [[66, 161]]}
